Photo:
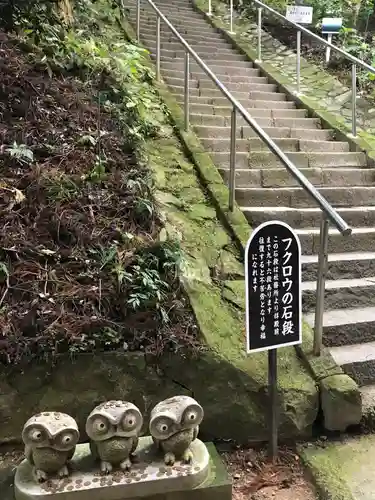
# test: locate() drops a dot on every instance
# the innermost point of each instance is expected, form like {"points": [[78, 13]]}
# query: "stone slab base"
{"points": [[343, 470], [148, 479]]}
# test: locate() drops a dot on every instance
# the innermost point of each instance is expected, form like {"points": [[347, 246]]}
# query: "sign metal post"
{"points": [[273, 302]]}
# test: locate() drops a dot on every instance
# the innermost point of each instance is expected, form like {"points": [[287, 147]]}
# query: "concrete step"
{"points": [[357, 360], [172, 9], [149, 33], [204, 54], [256, 144], [361, 240], [212, 93], [206, 131], [177, 78], [177, 69], [279, 122], [178, 64], [296, 197], [266, 159], [195, 83], [161, 3], [256, 109], [249, 144], [319, 177], [340, 294], [346, 326], [283, 121], [182, 24], [340, 266], [274, 99], [181, 4], [176, 49], [217, 46], [309, 217]]}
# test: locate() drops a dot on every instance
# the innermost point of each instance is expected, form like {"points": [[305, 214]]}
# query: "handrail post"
{"points": [[231, 16], [232, 159], [186, 90], [259, 58], [298, 62], [354, 99], [320, 286], [138, 20], [158, 48], [209, 13]]}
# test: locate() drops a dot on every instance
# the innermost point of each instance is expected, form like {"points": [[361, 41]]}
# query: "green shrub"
{"points": [[14, 12]]}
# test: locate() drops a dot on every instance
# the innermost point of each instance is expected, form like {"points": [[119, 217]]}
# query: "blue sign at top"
{"points": [[331, 24]]}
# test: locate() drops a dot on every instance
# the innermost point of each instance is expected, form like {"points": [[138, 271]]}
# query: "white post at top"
{"points": [[231, 16], [328, 50], [209, 13]]}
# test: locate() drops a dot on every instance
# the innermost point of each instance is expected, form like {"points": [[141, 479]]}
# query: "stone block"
{"points": [[149, 478], [341, 402]]}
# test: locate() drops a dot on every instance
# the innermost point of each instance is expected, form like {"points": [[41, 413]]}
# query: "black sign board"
{"points": [[273, 287]]}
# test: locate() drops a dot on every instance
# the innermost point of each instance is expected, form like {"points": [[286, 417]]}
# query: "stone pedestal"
{"points": [[204, 479]]}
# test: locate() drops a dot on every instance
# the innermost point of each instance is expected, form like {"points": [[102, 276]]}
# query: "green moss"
{"points": [[319, 366], [228, 265], [326, 470]]}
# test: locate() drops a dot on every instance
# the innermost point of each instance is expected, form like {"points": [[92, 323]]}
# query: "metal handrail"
{"points": [[329, 213], [301, 29]]}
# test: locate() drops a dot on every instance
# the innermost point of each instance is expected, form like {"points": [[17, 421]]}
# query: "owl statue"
{"points": [[174, 425], [50, 440], [113, 428]]}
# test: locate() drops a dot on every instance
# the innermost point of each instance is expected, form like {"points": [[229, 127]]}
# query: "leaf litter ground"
{"points": [[72, 224], [255, 478]]}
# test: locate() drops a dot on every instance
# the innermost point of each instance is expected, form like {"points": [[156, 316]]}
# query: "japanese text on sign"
{"points": [[299, 14], [273, 277]]}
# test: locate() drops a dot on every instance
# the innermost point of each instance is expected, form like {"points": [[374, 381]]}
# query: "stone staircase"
{"points": [[264, 189]]}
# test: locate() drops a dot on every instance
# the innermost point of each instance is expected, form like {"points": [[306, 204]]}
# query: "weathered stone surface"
{"points": [[233, 397], [217, 486], [76, 385], [6, 483], [148, 476], [341, 402], [342, 470], [228, 266]]}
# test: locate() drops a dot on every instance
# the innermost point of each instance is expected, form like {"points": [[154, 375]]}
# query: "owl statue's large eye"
{"points": [[129, 421], [162, 427], [191, 417], [36, 435], [66, 440], [100, 425]]}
